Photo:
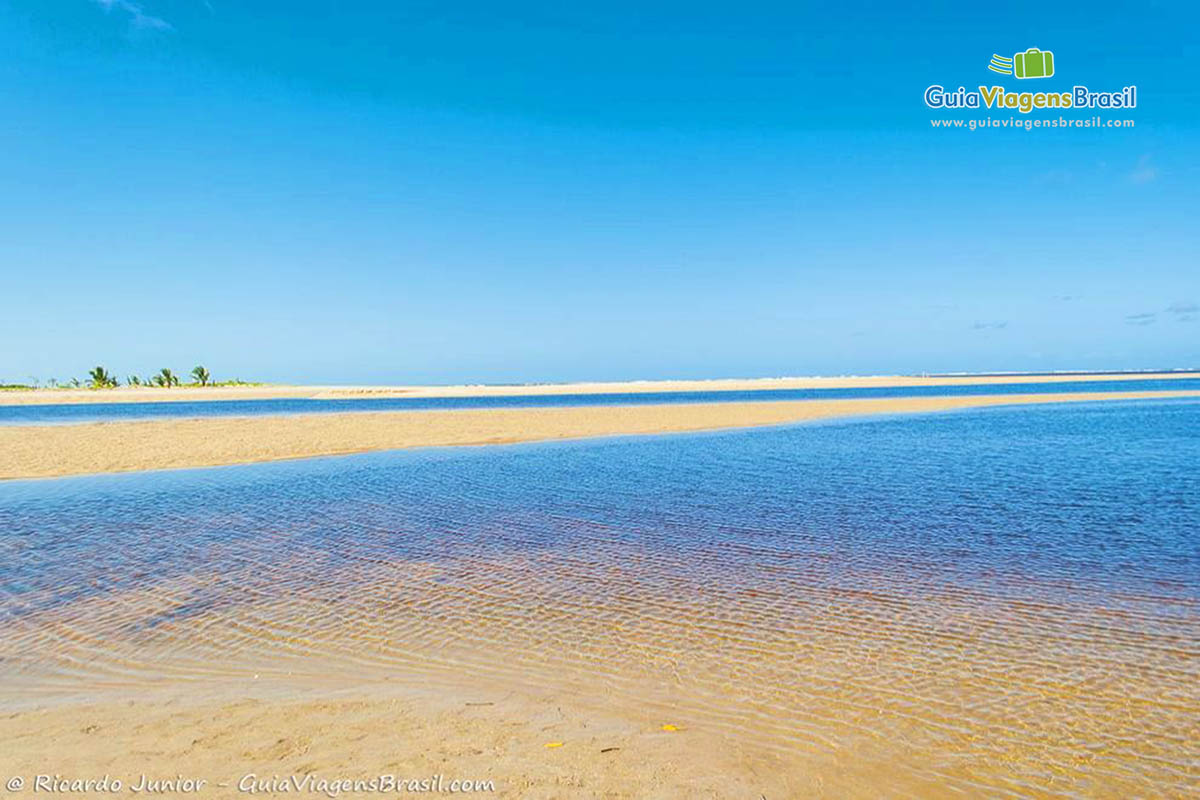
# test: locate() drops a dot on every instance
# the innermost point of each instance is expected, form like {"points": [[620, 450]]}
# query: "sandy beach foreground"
{"points": [[502, 744], [50, 451]]}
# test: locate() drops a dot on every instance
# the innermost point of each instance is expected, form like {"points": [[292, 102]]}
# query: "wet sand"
{"points": [[145, 394], [58, 450], [498, 739], [824, 680]]}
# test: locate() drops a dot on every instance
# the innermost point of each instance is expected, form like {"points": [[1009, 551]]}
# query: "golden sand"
{"points": [[56, 450], [528, 744], [498, 738]]}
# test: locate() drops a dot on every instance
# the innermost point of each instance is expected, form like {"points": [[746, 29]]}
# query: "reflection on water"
{"points": [[1002, 601]]}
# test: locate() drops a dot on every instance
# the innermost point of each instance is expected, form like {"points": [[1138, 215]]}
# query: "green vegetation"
{"points": [[100, 378], [166, 378]]}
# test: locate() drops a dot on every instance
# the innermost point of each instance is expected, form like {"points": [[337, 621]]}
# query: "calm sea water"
{"points": [[104, 412], [1005, 598]]}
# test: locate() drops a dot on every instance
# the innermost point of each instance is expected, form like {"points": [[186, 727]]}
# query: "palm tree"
{"points": [[166, 378], [101, 379], [201, 375], [133, 380]]}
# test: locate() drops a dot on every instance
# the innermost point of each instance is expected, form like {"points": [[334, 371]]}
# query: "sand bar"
{"points": [[144, 394], [51, 451]]}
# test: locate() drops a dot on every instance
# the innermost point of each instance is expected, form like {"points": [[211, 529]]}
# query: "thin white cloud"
{"points": [[138, 18], [1184, 311], [1144, 172], [1055, 176]]}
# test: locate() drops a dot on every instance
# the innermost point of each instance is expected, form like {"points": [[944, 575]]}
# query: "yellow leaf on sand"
{"points": [[554, 744], [669, 728]]}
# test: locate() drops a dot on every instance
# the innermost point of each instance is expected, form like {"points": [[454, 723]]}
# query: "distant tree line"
{"points": [[101, 378]]}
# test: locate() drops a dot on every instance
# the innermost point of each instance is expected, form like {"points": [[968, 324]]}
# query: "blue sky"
{"points": [[395, 192]]}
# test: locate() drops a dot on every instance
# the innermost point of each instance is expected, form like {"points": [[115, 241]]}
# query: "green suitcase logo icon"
{"points": [[1033, 63]]}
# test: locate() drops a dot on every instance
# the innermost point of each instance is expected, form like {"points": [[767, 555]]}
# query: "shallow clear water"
{"points": [[1005, 599], [51, 414]]}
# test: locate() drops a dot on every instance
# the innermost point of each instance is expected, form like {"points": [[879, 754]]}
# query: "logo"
{"points": [[1001, 64], [1033, 63]]}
